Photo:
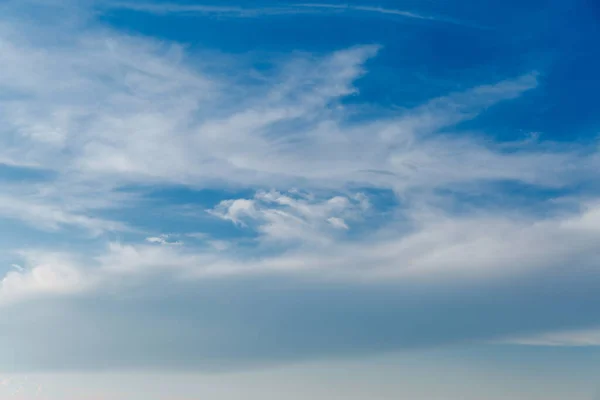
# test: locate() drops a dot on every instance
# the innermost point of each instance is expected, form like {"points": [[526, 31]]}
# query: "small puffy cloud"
{"points": [[163, 239], [292, 216], [235, 210]]}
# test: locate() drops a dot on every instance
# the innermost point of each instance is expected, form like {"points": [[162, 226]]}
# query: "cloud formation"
{"points": [[385, 225]]}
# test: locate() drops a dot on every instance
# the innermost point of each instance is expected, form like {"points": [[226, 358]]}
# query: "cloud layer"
{"points": [[342, 229]]}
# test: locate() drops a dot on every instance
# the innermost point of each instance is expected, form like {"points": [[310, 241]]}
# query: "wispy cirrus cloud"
{"points": [[281, 9], [160, 120], [178, 8], [380, 10], [41, 215], [248, 12]]}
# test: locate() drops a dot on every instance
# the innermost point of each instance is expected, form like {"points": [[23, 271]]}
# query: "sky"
{"points": [[281, 200]]}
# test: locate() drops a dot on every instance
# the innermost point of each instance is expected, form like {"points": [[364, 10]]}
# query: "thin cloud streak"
{"points": [[379, 10], [391, 11], [248, 12], [165, 9]]}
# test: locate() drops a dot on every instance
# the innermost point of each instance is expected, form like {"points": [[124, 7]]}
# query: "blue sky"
{"points": [[289, 200]]}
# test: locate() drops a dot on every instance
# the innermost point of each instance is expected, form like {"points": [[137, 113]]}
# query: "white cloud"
{"points": [[163, 240], [438, 248], [292, 217], [338, 222], [42, 214], [48, 274]]}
